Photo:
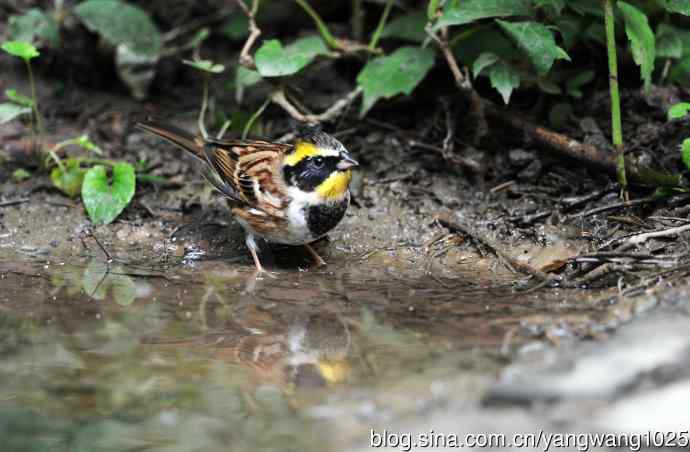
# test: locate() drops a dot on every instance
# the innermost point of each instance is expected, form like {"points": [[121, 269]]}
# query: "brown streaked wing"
{"points": [[242, 164]]}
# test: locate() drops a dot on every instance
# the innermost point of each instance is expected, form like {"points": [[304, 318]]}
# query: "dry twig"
{"points": [[278, 97], [246, 59]]}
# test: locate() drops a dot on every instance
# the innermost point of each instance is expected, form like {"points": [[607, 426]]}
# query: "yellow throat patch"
{"points": [[302, 150], [335, 186]]}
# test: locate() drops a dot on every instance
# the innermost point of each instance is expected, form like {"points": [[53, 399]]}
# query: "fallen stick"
{"points": [[591, 155]]}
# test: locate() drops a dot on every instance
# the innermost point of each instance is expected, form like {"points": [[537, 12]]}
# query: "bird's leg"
{"points": [[251, 244], [317, 259]]}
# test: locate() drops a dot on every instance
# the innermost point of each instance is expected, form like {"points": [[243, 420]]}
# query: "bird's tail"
{"points": [[175, 135]]}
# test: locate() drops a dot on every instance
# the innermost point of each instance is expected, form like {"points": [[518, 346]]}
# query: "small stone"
{"points": [[520, 157]]}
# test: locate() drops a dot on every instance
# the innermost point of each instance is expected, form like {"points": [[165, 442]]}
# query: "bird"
{"points": [[291, 194]]}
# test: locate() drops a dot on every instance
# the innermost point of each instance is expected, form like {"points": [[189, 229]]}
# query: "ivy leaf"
{"points": [[274, 60], [121, 23], [104, 201], [9, 111], [679, 110], [685, 152], [537, 42], [20, 49], [641, 39], [397, 73], [34, 25], [68, 179], [459, 12], [505, 79]]}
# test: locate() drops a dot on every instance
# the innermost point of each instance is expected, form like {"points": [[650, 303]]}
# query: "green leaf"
{"points": [[19, 99], [587, 7], [20, 49], [34, 25], [554, 7], [685, 152], [85, 142], [641, 39], [537, 42], [205, 66], [69, 180], [9, 111], [244, 78], [482, 62], [409, 27], [237, 27], [549, 86], [679, 110], [104, 201], [668, 43], [274, 60], [397, 73], [431, 9], [678, 6], [121, 23], [505, 79], [458, 12], [573, 85], [20, 174]]}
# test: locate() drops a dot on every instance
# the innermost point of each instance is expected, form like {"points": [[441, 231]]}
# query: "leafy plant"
{"points": [[105, 199], [677, 111], [103, 203]]}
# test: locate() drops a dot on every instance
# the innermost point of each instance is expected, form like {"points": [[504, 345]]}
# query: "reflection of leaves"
{"points": [[98, 278]]}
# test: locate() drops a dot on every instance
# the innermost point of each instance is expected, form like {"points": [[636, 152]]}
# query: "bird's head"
{"points": [[319, 163]]}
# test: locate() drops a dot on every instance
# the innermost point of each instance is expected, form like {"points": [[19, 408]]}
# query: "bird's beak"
{"points": [[346, 162]]}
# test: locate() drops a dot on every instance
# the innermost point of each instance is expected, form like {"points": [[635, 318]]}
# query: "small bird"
{"points": [[282, 193]]}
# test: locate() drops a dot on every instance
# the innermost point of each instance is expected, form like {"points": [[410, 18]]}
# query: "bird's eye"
{"points": [[318, 162]]}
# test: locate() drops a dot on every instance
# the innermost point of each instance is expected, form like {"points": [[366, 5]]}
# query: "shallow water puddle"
{"points": [[100, 356]]}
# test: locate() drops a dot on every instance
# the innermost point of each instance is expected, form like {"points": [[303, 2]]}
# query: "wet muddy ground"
{"points": [[455, 301]]}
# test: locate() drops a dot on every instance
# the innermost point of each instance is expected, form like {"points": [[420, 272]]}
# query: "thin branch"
{"points": [[382, 23], [278, 97], [246, 59], [462, 81], [508, 261]]}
